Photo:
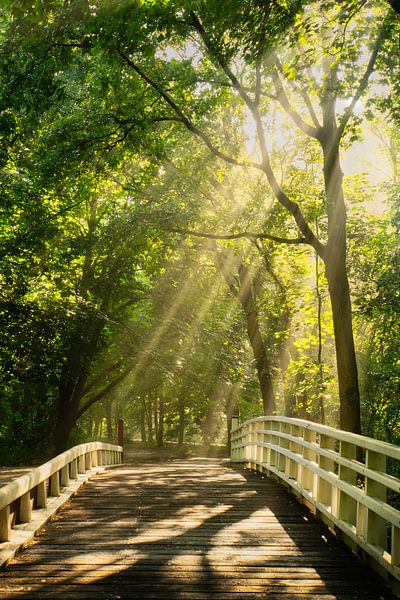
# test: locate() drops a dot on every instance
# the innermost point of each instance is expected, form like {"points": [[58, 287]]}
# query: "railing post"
{"points": [[81, 463], [284, 461], [233, 439], [246, 442], [25, 508], [5, 524], [376, 532], [293, 469], [253, 443], [325, 494], [347, 505], [273, 455], [88, 461], [55, 484], [307, 476], [41, 495], [73, 469], [64, 476]]}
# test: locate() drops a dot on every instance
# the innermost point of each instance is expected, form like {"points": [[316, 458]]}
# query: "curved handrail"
{"points": [[31, 491], [339, 475]]}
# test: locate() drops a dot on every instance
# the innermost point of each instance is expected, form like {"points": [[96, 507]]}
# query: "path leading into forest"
{"points": [[186, 529]]}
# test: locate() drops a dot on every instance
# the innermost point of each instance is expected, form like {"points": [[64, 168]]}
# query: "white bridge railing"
{"points": [[27, 502], [340, 476]]}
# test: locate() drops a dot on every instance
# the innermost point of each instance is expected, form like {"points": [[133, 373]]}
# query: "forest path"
{"points": [[186, 529]]}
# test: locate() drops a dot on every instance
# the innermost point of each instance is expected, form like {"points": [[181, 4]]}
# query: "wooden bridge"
{"points": [[196, 529]]}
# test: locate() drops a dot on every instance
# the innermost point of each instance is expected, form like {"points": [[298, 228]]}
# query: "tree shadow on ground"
{"points": [[187, 530]]}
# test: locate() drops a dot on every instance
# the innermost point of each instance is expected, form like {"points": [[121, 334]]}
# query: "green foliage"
{"points": [[100, 169], [378, 309]]}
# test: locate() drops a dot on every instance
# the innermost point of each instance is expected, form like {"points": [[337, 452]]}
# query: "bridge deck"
{"points": [[186, 530]]}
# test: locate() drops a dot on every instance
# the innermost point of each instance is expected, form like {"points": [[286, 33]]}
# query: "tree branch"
{"points": [[105, 391], [244, 234], [99, 377], [195, 22], [287, 107], [257, 93], [184, 119], [302, 92], [348, 113], [265, 166]]}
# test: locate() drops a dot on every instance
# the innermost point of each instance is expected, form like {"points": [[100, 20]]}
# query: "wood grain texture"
{"points": [[192, 529]]}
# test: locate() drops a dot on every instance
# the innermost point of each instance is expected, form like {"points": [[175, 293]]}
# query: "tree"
{"points": [[112, 94], [225, 40]]}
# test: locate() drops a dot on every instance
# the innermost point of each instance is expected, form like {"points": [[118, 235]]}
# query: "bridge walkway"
{"points": [[186, 530]]}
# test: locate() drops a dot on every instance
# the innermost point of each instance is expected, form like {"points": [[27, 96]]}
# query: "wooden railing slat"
{"points": [[325, 467], [49, 479]]}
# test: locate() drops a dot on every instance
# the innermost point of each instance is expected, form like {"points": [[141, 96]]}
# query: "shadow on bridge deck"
{"points": [[186, 529]]}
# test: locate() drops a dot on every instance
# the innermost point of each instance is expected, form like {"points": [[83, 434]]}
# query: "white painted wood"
{"points": [[73, 468], [5, 524], [23, 533], [41, 494], [56, 473], [64, 476], [81, 464], [25, 508], [326, 467], [94, 458], [88, 461], [55, 484]]}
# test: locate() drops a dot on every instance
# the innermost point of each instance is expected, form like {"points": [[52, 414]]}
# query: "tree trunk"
{"points": [[336, 273], [143, 421], [160, 429], [182, 424], [231, 392], [320, 399], [149, 414], [64, 424], [344, 342], [155, 417], [242, 287], [248, 301]]}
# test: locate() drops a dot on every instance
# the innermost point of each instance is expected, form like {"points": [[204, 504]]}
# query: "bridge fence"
{"points": [[342, 477], [29, 501]]}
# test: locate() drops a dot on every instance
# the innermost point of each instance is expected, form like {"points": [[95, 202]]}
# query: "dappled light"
{"points": [[192, 528], [199, 235]]}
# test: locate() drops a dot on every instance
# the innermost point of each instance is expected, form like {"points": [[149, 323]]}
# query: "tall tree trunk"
{"points": [[242, 287], [143, 420], [336, 273], [155, 417], [64, 424], [248, 301], [182, 424], [320, 399], [231, 392], [149, 415], [160, 430], [344, 342]]}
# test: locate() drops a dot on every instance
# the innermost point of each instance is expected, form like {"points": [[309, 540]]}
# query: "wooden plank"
{"points": [[186, 530]]}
